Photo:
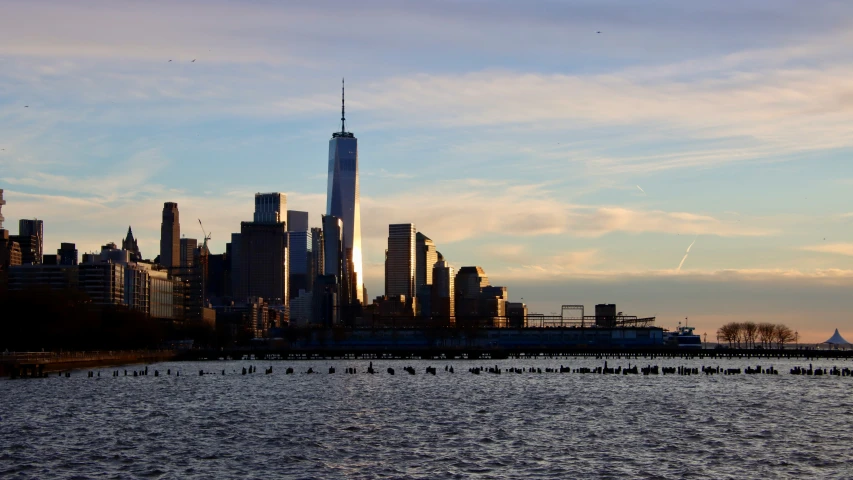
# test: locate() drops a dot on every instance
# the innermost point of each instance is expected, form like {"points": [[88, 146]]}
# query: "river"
{"points": [[457, 425]]}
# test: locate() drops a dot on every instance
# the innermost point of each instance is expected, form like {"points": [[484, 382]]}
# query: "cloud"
{"points": [[461, 210], [832, 248]]}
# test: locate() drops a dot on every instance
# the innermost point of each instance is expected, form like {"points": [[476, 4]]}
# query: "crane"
{"points": [[206, 237]]}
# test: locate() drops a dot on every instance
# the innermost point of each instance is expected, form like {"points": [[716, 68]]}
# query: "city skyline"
{"points": [[573, 166]]}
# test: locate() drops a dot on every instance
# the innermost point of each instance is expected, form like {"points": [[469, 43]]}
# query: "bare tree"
{"points": [[730, 332], [750, 333], [766, 334], [783, 335]]}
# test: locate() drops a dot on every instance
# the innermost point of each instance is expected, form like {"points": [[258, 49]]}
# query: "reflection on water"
{"points": [[423, 426]]}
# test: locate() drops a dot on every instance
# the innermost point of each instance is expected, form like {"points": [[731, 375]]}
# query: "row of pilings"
{"points": [[606, 369]]}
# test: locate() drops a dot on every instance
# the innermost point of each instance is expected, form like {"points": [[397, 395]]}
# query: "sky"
{"points": [[574, 150]]}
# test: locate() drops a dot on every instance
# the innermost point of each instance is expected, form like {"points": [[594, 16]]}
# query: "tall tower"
{"points": [[342, 198], [300, 248], [400, 260], [442, 302], [2, 202], [427, 256], [170, 236]]}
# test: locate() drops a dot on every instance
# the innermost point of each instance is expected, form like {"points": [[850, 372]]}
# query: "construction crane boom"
{"points": [[206, 237]]}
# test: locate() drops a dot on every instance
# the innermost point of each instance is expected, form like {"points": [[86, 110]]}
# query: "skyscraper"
{"points": [[263, 262], [442, 301], [269, 207], [188, 246], [2, 202], [33, 228], [342, 198], [467, 288], [333, 233], [260, 261], [299, 248], [426, 256], [400, 260], [318, 254], [170, 236]]}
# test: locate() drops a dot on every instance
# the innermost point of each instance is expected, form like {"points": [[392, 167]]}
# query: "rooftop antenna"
{"points": [[343, 116]]}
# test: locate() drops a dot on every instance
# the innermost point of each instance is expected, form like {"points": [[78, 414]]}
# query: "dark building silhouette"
{"points": [[263, 268], [170, 236], [130, 244], [400, 261], [29, 246], [442, 305], [326, 307], [10, 251], [188, 251], [32, 228], [426, 258], [299, 252], [67, 254], [317, 255], [605, 315]]}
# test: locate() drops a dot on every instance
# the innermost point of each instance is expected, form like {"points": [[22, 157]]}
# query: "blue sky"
{"points": [[574, 166]]}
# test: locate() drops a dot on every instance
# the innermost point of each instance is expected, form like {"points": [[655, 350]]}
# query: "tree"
{"points": [[783, 335], [766, 333], [750, 333], [730, 332]]}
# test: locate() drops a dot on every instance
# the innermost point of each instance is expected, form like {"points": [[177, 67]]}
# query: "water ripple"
{"points": [[422, 426]]}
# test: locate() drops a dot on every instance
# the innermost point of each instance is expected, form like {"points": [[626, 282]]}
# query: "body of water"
{"points": [[458, 425]]}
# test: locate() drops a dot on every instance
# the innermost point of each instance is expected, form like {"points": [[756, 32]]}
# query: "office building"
{"points": [[400, 260], [493, 305], [299, 248], [317, 255], [325, 299], [605, 315], [516, 314], [67, 254], [468, 285], [300, 309], [131, 245], [188, 252], [342, 199], [427, 256], [263, 265], [170, 236], [2, 202], [442, 302], [10, 251], [333, 245], [29, 247], [33, 228], [269, 207], [236, 261], [102, 282]]}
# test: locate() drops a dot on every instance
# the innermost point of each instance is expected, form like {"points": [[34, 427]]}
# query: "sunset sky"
{"points": [[573, 166]]}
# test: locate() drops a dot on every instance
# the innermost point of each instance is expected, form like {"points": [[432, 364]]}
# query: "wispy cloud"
{"points": [[832, 248]]}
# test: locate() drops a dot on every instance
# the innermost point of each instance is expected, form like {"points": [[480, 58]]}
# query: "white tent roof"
{"points": [[836, 339]]}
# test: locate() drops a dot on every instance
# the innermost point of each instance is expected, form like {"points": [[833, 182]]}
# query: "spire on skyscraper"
{"points": [[343, 132], [343, 115]]}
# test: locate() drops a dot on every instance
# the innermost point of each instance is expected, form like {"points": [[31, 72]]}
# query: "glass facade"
{"points": [[342, 201]]}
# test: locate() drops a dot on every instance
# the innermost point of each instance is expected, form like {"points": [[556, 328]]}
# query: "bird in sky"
{"points": [[193, 61], [26, 106], [597, 32], [170, 60]]}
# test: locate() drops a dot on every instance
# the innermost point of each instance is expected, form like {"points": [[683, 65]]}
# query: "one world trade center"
{"points": [[342, 201]]}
